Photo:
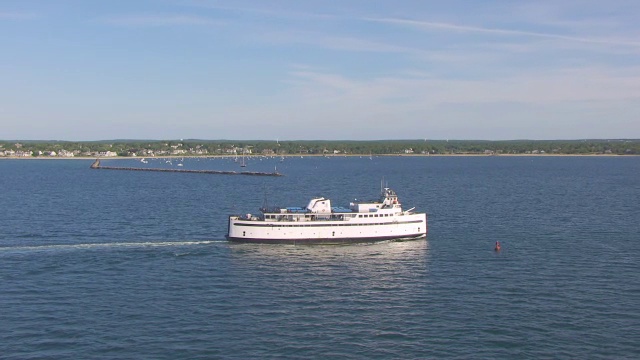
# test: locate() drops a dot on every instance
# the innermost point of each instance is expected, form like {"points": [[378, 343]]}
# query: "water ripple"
{"points": [[132, 265]]}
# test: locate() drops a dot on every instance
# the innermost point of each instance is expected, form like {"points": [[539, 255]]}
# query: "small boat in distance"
{"points": [[321, 223], [243, 163]]}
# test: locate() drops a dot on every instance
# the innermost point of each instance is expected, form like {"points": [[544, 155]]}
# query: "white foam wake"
{"points": [[104, 245]]}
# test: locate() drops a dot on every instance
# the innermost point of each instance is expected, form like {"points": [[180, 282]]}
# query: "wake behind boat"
{"points": [[320, 223]]}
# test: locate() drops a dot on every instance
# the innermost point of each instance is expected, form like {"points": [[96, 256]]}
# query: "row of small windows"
{"points": [[347, 215], [341, 215], [310, 225], [374, 215]]}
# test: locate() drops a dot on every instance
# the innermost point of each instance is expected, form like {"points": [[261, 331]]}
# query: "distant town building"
{"points": [[65, 153], [107, 153]]}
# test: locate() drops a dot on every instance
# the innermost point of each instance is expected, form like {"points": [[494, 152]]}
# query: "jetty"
{"points": [[96, 165]]}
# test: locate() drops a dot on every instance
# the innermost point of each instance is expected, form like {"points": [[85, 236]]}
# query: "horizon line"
{"points": [[314, 140]]}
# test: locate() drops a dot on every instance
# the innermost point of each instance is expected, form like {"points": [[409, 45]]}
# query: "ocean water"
{"points": [[99, 264]]}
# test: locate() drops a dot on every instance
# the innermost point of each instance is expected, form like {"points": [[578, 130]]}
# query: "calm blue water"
{"points": [[134, 265]]}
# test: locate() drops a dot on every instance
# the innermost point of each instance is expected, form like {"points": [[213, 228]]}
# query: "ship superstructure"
{"points": [[320, 222]]}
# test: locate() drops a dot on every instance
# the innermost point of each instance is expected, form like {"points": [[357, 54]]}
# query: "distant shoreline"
{"points": [[305, 155]]}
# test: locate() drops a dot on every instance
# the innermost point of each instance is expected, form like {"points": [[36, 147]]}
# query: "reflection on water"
{"points": [[415, 250], [366, 266], [327, 290]]}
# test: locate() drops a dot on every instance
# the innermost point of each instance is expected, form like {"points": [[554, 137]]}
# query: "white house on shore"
{"points": [[107, 153]]}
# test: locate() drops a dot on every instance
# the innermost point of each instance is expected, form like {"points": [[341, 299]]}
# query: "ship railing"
{"points": [[289, 210]]}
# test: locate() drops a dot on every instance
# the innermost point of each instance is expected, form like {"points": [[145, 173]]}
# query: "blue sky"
{"points": [[353, 69]]}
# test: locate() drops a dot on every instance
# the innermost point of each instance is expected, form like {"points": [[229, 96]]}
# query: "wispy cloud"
{"points": [[270, 12], [545, 87], [533, 14], [160, 20], [17, 16], [335, 42], [450, 27], [582, 16]]}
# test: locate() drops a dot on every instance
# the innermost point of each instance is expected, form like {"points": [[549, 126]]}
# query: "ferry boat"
{"points": [[321, 223]]}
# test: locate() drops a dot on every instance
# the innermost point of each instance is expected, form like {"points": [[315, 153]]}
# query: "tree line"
{"points": [[320, 147]]}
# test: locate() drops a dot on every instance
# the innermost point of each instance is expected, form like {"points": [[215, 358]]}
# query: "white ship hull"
{"points": [[328, 231]]}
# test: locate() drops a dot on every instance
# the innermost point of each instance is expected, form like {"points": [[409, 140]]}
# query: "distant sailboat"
{"points": [[243, 163]]}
